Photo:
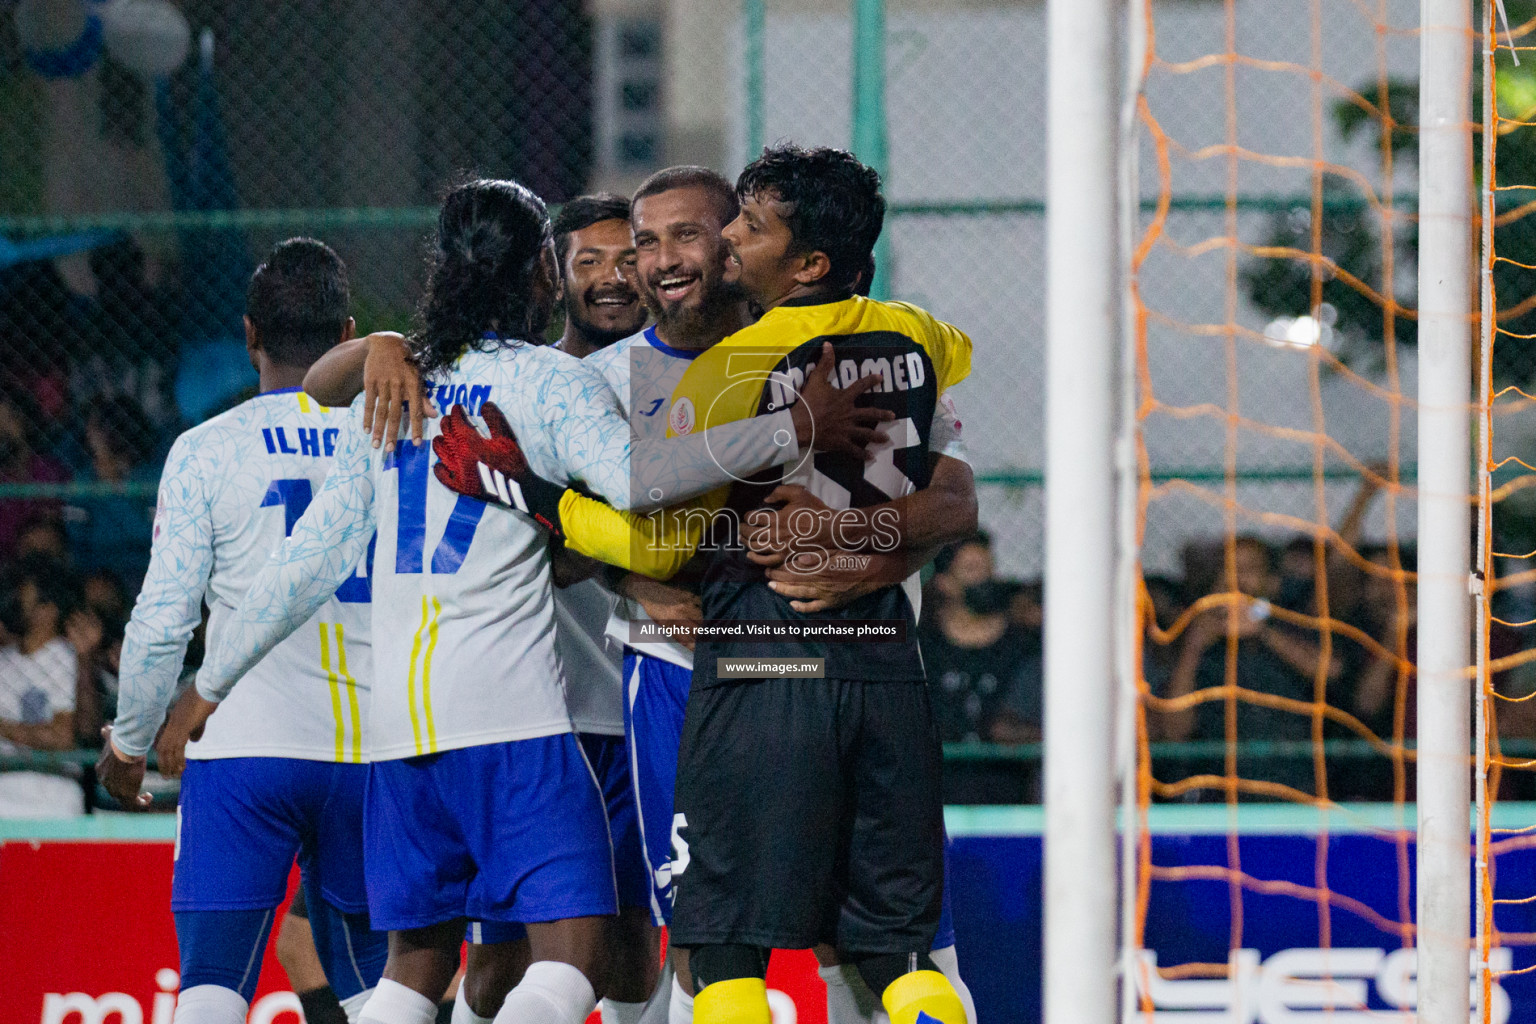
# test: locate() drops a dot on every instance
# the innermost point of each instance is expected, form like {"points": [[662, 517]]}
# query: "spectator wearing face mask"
{"points": [[956, 567], [984, 673]]}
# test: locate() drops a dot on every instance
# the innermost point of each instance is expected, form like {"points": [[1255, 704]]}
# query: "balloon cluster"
{"points": [[65, 38]]}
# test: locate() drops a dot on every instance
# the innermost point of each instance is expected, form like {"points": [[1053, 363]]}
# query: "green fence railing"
{"points": [[1023, 753]]}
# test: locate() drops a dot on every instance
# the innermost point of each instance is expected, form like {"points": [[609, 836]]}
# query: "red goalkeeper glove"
{"points": [[493, 469]]}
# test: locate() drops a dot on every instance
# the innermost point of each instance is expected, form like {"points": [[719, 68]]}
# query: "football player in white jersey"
{"points": [[596, 255], [481, 804], [281, 772]]}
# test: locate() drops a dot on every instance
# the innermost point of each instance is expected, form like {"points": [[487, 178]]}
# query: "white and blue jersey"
{"points": [[505, 822], [231, 491], [644, 371], [279, 773], [463, 621]]}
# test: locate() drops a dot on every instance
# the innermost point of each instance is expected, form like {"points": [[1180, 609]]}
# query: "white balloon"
{"points": [[151, 37]]}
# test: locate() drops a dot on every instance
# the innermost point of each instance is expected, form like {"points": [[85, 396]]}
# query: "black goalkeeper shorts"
{"points": [[809, 811]]}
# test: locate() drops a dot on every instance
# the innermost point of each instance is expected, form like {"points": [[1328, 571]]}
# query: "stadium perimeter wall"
{"points": [[70, 939]]}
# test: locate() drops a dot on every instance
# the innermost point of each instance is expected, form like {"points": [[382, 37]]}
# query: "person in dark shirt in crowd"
{"points": [[103, 591], [41, 325], [113, 532], [20, 463], [1159, 659], [1373, 697], [984, 673], [134, 335], [956, 567], [1298, 574], [1273, 658], [1346, 582]]}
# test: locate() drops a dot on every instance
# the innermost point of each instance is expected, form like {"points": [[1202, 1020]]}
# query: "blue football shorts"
{"points": [[498, 833]]}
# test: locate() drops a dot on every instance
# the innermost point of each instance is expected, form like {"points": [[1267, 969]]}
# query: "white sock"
{"points": [[615, 1012], [681, 1010], [849, 1000], [551, 992], [393, 1003], [658, 1007], [947, 961], [352, 1006], [463, 1014], [210, 1004]]}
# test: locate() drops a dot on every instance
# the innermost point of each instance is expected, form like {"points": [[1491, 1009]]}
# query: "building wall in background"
{"points": [[966, 105]]}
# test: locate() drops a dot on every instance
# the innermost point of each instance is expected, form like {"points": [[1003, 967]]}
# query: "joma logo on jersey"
{"points": [[313, 441], [471, 398], [903, 372], [1296, 985]]}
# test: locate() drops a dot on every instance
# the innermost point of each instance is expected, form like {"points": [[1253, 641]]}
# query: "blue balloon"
{"points": [[73, 60]]}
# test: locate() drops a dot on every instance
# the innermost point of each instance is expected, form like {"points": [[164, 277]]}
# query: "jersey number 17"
{"points": [[413, 460]]}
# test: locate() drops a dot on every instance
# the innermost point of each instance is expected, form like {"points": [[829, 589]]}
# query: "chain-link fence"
{"points": [[151, 152], [152, 196]]}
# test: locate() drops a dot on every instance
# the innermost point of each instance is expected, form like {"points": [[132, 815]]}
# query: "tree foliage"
{"points": [[1351, 236]]}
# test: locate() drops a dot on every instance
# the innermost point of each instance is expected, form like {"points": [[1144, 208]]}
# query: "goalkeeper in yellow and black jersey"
{"points": [[810, 805]]}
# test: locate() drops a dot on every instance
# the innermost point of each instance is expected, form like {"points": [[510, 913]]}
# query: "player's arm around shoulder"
{"points": [[583, 433], [380, 368]]}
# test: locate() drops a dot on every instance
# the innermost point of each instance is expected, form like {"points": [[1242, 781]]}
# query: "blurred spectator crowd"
{"points": [[86, 398], [1233, 650]]}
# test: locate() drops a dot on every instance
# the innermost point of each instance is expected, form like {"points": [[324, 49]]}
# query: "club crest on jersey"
{"points": [[681, 418]]}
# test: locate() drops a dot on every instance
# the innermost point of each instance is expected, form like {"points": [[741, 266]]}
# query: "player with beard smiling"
{"points": [[676, 217]]}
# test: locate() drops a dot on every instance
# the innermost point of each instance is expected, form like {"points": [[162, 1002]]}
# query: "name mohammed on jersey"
{"points": [[902, 372]]}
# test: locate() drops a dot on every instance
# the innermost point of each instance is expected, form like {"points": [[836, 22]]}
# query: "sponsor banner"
{"points": [[1279, 974], [87, 938]]}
